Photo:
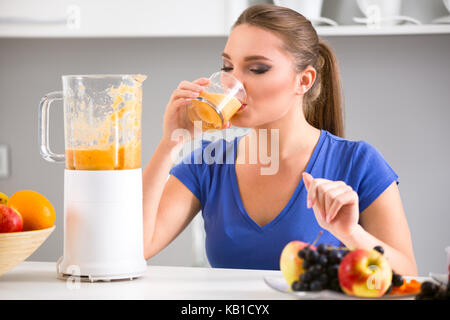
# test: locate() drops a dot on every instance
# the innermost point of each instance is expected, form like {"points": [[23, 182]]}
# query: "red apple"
{"points": [[10, 219], [290, 262], [365, 273]]}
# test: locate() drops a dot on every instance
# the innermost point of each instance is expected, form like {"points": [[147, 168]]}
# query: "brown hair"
{"points": [[322, 105]]}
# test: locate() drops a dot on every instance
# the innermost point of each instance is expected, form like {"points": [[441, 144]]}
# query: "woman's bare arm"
{"points": [[168, 204], [384, 223]]}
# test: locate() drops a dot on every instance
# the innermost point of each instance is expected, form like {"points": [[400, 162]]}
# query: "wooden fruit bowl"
{"points": [[15, 247]]}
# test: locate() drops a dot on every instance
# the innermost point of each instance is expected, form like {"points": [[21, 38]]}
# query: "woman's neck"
{"points": [[291, 135]]}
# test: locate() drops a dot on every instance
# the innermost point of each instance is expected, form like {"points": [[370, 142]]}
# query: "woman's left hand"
{"points": [[335, 205]]}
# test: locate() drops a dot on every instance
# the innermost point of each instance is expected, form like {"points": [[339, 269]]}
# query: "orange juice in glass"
{"points": [[217, 104]]}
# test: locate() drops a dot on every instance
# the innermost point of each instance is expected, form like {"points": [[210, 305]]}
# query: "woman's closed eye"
{"points": [[256, 69], [259, 69]]}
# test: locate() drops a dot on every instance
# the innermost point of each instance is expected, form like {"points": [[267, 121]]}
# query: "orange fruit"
{"points": [[37, 212]]}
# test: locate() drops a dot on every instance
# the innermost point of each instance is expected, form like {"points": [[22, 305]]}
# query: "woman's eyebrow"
{"points": [[248, 58], [226, 56]]}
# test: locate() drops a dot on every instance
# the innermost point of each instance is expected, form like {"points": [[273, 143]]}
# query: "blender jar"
{"points": [[102, 122], [103, 205]]}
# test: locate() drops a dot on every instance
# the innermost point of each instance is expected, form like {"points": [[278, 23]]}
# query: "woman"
{"points": [[323, 182]]}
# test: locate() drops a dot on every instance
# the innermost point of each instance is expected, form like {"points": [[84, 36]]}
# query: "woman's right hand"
{"points": [[175, 116]]}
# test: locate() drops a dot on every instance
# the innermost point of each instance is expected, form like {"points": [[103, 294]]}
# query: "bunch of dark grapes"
{"points": [[433, 291], [321, 268]]}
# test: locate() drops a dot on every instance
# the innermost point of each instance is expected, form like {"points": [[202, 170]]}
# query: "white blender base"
{"points": [[75, 274], [103, 227]]}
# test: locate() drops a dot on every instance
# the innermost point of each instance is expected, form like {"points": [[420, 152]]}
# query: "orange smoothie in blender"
{"points": [[117, 137], [122, 158]]}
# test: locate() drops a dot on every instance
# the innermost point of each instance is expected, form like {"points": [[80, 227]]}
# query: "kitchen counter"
{"points": [[37, 280]]}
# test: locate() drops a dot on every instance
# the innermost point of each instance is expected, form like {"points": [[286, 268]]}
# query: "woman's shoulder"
{"points": [[359, 154], [355, 147], [362, 166]]}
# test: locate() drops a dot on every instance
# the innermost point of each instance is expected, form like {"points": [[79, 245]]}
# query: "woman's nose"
{"points": [[238, 75]]}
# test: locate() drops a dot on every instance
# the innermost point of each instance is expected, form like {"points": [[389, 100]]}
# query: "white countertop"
{"points": [[37, 280]]}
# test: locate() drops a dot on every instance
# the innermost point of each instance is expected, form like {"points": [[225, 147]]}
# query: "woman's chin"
{"points": [[244, 119], [237, 121]]}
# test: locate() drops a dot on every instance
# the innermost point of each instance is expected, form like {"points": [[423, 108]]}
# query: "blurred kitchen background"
{"points": [[395, 82]]}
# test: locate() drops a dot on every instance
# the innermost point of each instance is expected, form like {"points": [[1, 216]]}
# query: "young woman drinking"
{"points": [[323, 182]]}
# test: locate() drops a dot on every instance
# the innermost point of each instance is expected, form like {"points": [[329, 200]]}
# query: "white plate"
{"points": [[279, 284], [441, 278]]}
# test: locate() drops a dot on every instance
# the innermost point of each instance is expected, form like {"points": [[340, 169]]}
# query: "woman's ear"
{"points": [[305, 80]]}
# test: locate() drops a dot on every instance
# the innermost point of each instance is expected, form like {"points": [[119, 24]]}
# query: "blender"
{"points": [[103, 227]]}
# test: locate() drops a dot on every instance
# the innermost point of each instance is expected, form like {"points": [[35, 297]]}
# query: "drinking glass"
{"points": [[218, 102]]}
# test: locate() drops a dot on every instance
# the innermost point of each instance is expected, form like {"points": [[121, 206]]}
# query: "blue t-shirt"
{"points": [[234, 239]]}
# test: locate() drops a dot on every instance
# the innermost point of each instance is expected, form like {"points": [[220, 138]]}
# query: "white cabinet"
{"points": [[180, 18], [111, 18]]}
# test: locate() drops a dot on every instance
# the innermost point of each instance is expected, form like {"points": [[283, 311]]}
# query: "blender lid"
{"points": [[138, 77]]}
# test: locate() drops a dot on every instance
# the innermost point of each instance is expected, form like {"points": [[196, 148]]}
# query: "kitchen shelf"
{"points": [[363, 30], [152, 19], [347, 30], [101, 35]]}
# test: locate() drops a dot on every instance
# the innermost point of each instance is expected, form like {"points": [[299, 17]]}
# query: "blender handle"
{"points": [[44, 107]]}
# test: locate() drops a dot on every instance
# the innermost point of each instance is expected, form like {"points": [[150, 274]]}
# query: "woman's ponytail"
{"points": [[322, 104]]}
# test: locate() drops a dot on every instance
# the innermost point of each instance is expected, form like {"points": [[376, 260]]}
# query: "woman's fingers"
{"points": [[307, 180], [184, 94], [348, 197], [176, 113], [197, 85], [333, 199], [202, 81], [187, 90], [320, 194], [327, 190], [326, 196], [178, 103], [312, 198]]}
